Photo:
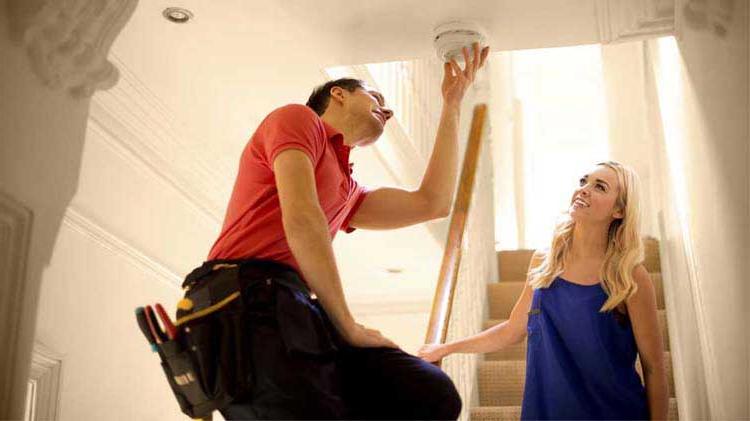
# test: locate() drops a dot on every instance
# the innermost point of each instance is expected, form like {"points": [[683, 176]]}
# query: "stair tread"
{"points": [[513, 412], [513, 264], [501, 382]]}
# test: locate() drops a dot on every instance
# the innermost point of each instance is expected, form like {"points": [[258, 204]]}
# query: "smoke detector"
{"points": [[450, 37]]}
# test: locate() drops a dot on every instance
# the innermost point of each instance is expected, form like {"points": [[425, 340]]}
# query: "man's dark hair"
{"points": [[321, 95]]}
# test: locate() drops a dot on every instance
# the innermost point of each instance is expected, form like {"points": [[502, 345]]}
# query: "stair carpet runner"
{"points": [[502, 373]]}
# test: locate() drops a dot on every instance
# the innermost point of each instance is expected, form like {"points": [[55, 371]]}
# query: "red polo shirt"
{"points": [[252, 225]]}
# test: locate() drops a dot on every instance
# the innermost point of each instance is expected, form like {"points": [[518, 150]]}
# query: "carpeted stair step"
{"points": [[501, 382], [496, 413], [513, 264], [513, 413]]}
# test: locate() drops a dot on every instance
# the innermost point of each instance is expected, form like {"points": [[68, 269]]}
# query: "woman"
{"points": [[588, 309]]}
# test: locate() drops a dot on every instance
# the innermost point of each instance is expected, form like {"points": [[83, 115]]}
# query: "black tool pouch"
{"points": [[204, 364]]}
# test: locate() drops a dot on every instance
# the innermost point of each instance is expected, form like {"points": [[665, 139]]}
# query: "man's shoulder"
{"points": [[294, 113]]}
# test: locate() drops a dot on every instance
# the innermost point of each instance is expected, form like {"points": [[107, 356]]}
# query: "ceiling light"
{"points": [[394, 270], [177, 14]]}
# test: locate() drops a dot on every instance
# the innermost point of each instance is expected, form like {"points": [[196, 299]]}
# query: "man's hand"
{"points": [[363, 337], [455, 80], [388, 208]]}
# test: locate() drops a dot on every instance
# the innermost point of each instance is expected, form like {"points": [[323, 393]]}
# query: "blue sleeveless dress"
{"points": [[580, 363]]}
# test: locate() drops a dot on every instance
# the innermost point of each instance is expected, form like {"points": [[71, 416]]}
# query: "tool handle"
{"points": [[166, 321], [153, 325], [140, 316]]}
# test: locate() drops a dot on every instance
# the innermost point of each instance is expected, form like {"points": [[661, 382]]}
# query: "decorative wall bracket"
{"points": [[632, 20], [68, 41]]}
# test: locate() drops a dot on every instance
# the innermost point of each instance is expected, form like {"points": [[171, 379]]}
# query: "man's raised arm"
{"points": [[306, 232], [387, 208]]}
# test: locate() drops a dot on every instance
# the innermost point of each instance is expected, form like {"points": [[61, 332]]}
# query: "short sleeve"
{"points": [[292, 126], [358, 197]]}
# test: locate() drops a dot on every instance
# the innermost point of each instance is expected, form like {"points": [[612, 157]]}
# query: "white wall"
{"points": [[127, 240], [87, 303], [506, 154], [704, 106], [629, 139]]}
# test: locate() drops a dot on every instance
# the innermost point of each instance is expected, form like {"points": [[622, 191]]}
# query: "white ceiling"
{"points": [[237, 59]]}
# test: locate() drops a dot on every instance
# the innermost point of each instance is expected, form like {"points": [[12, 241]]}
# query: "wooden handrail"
{"points": [[446, 285]]}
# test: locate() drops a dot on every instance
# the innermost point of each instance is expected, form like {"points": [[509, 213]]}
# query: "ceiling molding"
{"points": [[82, 224], [67, 43], [112, 137], [632, 20], [144, 128]]}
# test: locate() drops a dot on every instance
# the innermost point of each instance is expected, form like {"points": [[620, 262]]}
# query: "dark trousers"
{"points": [[301, 369]]}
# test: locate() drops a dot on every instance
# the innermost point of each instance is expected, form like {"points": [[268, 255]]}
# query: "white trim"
{"points": [[632, 20], [109, 137], [67, 42], [75, 220], [15, 236], [133, 116], [46, 372], [667, 159]]}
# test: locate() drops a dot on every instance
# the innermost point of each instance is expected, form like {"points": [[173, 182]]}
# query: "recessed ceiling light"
{"points": [[394, 270], [177, 14]]}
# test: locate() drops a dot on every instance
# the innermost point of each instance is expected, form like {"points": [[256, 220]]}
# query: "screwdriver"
{"points": [[140, 316]]}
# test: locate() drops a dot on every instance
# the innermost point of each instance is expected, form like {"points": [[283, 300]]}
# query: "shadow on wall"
{"points": [[711, 15], [54, 57]]}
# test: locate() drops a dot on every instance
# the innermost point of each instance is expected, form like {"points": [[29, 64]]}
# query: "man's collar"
{"points": [[334, 135], [342, 150]]}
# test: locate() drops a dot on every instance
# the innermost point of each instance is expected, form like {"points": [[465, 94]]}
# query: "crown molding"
{"points": [[85, 225], [141, 126], [15, 236], [632, 20], [67, 42]]}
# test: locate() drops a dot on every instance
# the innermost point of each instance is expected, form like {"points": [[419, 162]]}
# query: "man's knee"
{"points": [[448, 405]]}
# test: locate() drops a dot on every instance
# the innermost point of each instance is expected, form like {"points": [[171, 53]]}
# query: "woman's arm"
{"points": [[497, 337], [642, 311]]}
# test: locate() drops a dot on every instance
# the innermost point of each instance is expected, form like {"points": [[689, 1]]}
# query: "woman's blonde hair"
{"points": [[624, 245]]}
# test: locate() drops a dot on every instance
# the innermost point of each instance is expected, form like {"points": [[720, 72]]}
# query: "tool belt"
{"points": [[206, 363]]}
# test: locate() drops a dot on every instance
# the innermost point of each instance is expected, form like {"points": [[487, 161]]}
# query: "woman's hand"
{"points": [[455, 80], [433, 352]]}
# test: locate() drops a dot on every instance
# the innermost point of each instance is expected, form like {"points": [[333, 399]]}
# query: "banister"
{"points": [[442, 303]]}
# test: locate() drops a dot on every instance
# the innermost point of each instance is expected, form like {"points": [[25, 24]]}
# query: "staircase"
{"points": [[502, 373]]}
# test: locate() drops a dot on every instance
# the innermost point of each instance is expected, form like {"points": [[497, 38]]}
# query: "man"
{"points": [[309, 358]]}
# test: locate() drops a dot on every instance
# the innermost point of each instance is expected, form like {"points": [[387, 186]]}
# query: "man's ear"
{"points": [[338, 94]]}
